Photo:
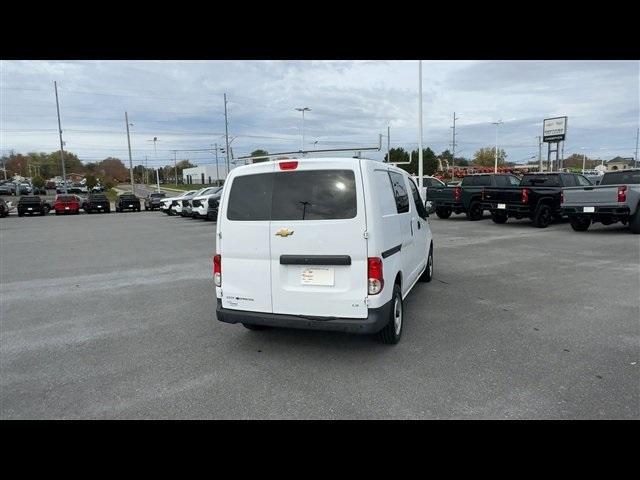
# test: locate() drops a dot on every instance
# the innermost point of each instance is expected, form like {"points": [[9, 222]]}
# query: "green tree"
{"points": [[397, 155], [257, 153], [92, 181], [38, 181], [429, 162], [485, 157]]}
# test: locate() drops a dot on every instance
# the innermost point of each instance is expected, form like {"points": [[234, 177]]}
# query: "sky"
{"points": [[352, 102]]}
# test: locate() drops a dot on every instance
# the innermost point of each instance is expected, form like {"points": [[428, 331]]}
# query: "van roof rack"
{"points": [[304, 152]]}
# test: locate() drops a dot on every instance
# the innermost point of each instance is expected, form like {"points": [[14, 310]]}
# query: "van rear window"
{"points": [[300, 195]]}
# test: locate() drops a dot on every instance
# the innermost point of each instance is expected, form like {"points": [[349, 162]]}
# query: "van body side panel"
{"points": [[335, 288], [245, 249]]}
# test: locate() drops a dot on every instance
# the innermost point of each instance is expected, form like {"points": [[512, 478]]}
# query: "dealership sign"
{"points": [[554, 129]]}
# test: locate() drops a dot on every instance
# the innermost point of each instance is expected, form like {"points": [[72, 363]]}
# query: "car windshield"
{"points": [[617, 178]]}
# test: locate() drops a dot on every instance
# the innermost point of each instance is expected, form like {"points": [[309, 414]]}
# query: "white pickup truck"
{"points": [[615, 199]]}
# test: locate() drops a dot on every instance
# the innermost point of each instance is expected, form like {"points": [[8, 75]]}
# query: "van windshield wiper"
{"points": [[304, 208]]}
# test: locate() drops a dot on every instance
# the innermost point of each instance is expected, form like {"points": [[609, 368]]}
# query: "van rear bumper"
{"points": [[375, 321]]}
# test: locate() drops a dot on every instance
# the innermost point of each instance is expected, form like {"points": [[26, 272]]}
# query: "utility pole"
{"points": [[562, 157], [303, 109], [453, 146], [388, 143], [540, 153], [217, 170], [126, 119], [637, 136], [146, 169], [226, 130], [420, 166], [584, 161], [175, 166], [64, 173]]}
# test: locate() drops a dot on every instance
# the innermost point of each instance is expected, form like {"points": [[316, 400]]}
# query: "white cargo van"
{"points": [[324, 243]]}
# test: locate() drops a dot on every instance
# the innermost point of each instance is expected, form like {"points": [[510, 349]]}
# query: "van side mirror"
{"points": [[430, 207]]}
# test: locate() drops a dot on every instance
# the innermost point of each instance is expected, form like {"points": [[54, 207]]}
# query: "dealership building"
{"points": [[207, 174]]}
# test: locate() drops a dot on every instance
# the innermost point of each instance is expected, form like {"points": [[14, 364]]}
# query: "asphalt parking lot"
{"points": [[113, 316]]}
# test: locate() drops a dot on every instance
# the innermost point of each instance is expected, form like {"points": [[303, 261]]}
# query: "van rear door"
{"points": [[318, 248], [244, 241]]}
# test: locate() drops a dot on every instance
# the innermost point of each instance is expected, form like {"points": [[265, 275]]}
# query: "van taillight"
{"points": [[217, 270], [457, 193], [374, 274], [622, 193], [288, 165], [525, 195]]}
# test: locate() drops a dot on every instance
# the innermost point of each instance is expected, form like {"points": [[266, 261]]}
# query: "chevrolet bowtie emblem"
{"points": [[284, 232]]}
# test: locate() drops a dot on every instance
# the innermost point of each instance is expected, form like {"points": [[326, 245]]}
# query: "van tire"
{"points": [[475, 211], [634, 221], [579, 224], [392, 332], [443, 212], [427, 275], [543, 216], [250, 326]]}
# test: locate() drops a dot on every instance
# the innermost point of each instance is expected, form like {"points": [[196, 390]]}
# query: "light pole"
{"points": [[126, 119], [453, 146], [497, 124], [155, 156], [420, 166], [303, 109]]}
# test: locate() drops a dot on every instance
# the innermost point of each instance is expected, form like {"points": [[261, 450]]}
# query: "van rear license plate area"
{"points": [[589, 209], [502, 206], [317, 276]]}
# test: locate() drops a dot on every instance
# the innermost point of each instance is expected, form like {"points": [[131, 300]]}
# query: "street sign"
{"points": [[554, 129]]}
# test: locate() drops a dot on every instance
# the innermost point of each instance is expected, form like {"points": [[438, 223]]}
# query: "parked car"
{"points": [[171, 205], [8, 189], [537, 197], [466, 198], [186, 204], [4, 208], [31, 205], [24, 189], [50, 185], [614, 200], [96, 202], [200, 203], [67, 204], [127, 201], [39, 191], [152, 201], [329, 244], [212, 207]]}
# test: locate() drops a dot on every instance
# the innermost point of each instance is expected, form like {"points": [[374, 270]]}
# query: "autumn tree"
{"points": [[257, 153], [486, 157]]}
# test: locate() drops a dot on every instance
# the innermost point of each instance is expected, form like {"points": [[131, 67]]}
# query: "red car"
{"points": [[67, 204]]}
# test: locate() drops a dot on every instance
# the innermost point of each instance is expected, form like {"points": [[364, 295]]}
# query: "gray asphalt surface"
{"points": [[113, 316]]}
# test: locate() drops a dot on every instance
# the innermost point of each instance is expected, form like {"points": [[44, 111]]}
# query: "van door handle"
{"points": [[411, 224], [418, 221]]}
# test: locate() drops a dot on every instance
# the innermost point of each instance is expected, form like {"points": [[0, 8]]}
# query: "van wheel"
{"points": [[579, 223], [499, 217], [475, 211], [634, 221], [392, 332], [255, 327], [542, 217], [443, 212], [427, 275]]}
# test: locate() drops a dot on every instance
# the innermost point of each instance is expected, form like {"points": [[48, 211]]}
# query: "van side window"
{"points": [[400, 192], [250, 197], [417, 200], [385, 198]]}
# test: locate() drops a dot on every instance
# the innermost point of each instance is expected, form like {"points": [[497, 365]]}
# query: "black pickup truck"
{"points": [[538, 197], [466, 198], [127, 201], [96, 202], [31, 205]]}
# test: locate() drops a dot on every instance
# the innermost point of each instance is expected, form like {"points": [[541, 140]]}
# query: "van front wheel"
{"points": [[392, 332]]}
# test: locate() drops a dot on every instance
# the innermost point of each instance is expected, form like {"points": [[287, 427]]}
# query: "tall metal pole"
{"points": [[495, 168], [388, 143], [175, 166], [584, 161], [226, 131], [420, 166], [453, 146], [126, 119], [637, 136], [217, 171], [562, 157], [540, 153], [64, 172]]}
